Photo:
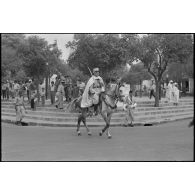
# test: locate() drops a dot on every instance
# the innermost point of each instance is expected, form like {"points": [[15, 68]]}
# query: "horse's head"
{"points": [[116, 91], [121, 92]]}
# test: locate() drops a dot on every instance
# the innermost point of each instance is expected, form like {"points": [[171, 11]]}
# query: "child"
{"points": [[128, 106], [20, 108]]}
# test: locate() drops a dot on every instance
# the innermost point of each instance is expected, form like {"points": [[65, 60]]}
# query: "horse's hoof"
{"points": [[100, 134], [89, 133], [79, 134], [109, 137]]}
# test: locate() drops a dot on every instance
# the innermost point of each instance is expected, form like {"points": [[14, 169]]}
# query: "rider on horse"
{"points": [[93, 89]]}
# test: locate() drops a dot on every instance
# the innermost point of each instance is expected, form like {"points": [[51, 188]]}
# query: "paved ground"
{"points": [[167, 142]]}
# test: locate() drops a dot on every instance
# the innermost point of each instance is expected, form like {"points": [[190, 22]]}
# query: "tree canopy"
{"points": [[106, 51], [158, 51], [28, 57], [11, 61]]}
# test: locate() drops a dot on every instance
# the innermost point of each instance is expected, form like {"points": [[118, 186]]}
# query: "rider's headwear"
{"points": [[96, 70], [62, 79]]}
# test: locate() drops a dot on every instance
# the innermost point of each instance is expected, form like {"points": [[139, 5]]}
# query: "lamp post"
{"points": [[46, 81]]}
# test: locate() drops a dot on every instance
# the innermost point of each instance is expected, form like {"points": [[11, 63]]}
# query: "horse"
{"points": [[107, 105]]}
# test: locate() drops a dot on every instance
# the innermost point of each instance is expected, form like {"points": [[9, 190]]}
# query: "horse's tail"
{"points": [[73, 105]]}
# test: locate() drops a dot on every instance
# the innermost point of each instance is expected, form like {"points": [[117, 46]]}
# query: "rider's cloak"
{"points": [[87, 101]]}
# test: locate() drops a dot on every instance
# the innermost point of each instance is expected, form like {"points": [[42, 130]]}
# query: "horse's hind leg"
{"points": [[84, 122], [78, 125]]}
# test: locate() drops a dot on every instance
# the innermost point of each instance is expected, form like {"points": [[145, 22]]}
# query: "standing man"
{"points": [[68, 88], [52, 92], [60, 93], [92, 91], [176, 94], [42, 93], [19, 107], [33, 95], [170, 92], [16, 87], [128, 106], [28, 90], [152, 90], [7, 90], [81, 87], [4, 90]]}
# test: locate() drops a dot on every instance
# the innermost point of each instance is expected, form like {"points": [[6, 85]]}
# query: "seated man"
{"points": [[92, 91]]}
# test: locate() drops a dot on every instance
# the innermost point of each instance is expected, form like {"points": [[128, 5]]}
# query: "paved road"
{"points": [[167, 142]]}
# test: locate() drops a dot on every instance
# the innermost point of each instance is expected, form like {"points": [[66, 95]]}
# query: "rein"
{"points": [[115, 97]]}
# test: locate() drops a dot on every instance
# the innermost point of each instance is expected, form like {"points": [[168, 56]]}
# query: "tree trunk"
{"points": [[157, 93], [140, 93], [160, 91]]}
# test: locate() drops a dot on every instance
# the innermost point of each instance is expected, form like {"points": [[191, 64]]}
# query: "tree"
{"points": [[65, 69], [158, 51], [90, 50], [11, 60], [136, 75], [177, 70], [40, 59]]}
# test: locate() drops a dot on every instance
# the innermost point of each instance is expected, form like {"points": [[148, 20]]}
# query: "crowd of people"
{"points": [[171, 92], [63, 89], [28, 92]]}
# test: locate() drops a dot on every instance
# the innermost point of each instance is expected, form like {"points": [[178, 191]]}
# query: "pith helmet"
{"points": [[62, 79], [96, 70]]}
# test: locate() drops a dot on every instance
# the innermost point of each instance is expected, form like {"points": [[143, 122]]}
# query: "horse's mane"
{"points": [[111, 88]]}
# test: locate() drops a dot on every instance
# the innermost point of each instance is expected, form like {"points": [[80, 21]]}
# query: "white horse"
{"points": [[107, 105]]}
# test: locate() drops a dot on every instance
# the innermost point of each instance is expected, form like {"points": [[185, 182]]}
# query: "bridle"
{"points": [[116, 96]]}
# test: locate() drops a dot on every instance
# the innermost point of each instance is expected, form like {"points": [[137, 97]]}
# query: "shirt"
{"points": [[4, 86], [42, 90], [52, 87], [19, 101], [16, 86]]}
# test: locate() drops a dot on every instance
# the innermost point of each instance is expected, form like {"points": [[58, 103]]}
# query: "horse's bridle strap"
{"points": [[112, 107]]}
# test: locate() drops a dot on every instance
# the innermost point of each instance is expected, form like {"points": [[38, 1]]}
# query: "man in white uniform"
{"points": [[92, 91], [170, 92], [176, 93]]}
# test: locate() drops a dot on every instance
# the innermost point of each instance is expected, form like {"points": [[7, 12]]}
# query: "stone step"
{"points": [[11, 119], [137, 99], [137, 112], [52, 109], [139, 103], [99, 118]]}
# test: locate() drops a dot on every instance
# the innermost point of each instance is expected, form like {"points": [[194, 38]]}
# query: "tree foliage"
{"points": [[137, 74], [11, 60], [28, 57], [105, 51], [158, 51], [177, 70]]}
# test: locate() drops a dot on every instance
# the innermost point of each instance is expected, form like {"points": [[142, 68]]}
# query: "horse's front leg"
{"points": [[108, 124], [104, 116]]}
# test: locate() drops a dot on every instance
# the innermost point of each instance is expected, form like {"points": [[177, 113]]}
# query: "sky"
{"points": [[62, 39]]}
